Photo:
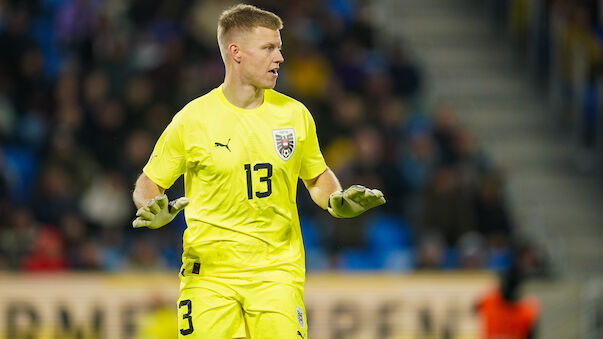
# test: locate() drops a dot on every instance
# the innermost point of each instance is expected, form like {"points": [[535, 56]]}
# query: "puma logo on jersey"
{"points": [[222, 145], [299, 333]]}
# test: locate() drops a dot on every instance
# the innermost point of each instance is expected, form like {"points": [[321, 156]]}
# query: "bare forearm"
{"points": [[145, 190], [321, 187]]}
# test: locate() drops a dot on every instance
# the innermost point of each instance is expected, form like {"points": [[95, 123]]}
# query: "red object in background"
{"points": [[47, 253], [504, 319]]}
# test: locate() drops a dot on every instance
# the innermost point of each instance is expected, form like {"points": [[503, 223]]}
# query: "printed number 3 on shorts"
{"points": [[187, 316]]}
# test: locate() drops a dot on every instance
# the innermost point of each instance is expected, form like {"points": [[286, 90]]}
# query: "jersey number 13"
{"points": [[265, 178]]}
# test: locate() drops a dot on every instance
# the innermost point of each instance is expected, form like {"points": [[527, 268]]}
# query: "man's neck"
{"points": [[241, 94]]}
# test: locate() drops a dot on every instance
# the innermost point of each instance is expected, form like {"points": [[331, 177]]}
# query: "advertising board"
{"points": [[368, 306]]}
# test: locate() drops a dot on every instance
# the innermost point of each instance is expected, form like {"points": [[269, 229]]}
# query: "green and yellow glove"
{"points": [[158, 212], [354, 201]]}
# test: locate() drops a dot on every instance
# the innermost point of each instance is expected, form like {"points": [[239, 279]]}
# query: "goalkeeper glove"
{"points": [[158, 212], [354, 201]]}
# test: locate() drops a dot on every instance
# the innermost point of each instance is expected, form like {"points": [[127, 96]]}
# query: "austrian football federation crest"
{"points": [[284, 142]]}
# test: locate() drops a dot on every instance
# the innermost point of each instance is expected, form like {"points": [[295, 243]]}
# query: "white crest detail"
{"points": [[284, 142], [300, 316]]}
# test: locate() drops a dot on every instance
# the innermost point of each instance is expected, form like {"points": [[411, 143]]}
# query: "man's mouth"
{"points": [[274, 72]]}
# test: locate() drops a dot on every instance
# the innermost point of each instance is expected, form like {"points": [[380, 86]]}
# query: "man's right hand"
{"points": [[158, 212]]}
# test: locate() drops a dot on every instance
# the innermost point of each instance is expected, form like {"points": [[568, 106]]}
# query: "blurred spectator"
{"points": [[90, 256], [348, 116], [65, 93], [19, 172], [405, 74], [112, 246], [391, 117], [55, 196], [504, 315], [202, 20], [366, 164], [350, 68], [471, 161], [65, 154], [81, 251], [431, 251], [417, 162], [446, 207], [8, 116], [530, 259], [75, 22], [69, 119], [14, 41], [33, 129], [17, 235], [46, 253], [492, 217], [107, 202], [144, 256], [137, 149], [445, 130], [472, 251], [106, 131], [138, 96], [31, 87], [96, 88], [573, 30], [74, 234], [157, 117]]}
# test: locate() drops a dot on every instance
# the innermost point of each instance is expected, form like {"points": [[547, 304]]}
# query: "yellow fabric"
{"points": [[242, 219], [272, 309]]}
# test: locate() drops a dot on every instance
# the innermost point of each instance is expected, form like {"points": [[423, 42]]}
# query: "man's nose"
{"points": [[279, 57]]}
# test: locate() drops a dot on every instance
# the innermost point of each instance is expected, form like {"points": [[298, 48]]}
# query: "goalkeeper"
{"points": [[242, 148]]}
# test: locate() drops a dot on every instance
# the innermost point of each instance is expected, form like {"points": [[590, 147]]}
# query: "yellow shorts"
{"points": [[216, 308]]}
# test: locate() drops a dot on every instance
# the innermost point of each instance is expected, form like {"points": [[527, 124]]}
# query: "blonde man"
{"points": [[241, 149]]}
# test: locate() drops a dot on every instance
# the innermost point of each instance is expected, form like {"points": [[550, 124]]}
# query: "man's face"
{"points": [[261, 57]]}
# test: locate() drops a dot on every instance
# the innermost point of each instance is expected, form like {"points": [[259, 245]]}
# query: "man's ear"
{"points": [[234, 52]]}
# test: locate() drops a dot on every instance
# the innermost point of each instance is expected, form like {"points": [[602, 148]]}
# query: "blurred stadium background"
{"points": [[481, 120]]}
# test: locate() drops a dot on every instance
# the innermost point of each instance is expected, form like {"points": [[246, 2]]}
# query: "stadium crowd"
{"points": [[87, 86]]}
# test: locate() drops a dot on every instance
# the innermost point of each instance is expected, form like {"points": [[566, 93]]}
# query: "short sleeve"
{"points": [[168, 160], [313, 163]]}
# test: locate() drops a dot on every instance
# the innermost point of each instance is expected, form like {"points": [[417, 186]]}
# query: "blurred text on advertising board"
{"points": [[420, 305]]}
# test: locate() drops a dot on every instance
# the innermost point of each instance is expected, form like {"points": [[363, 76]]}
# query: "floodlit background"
{"points": [[480, 120]]}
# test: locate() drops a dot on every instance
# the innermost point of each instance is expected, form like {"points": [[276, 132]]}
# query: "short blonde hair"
{"points": [[244, 18]]}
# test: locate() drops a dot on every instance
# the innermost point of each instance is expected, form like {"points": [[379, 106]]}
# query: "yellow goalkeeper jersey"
{"points": [[241, 168]]}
